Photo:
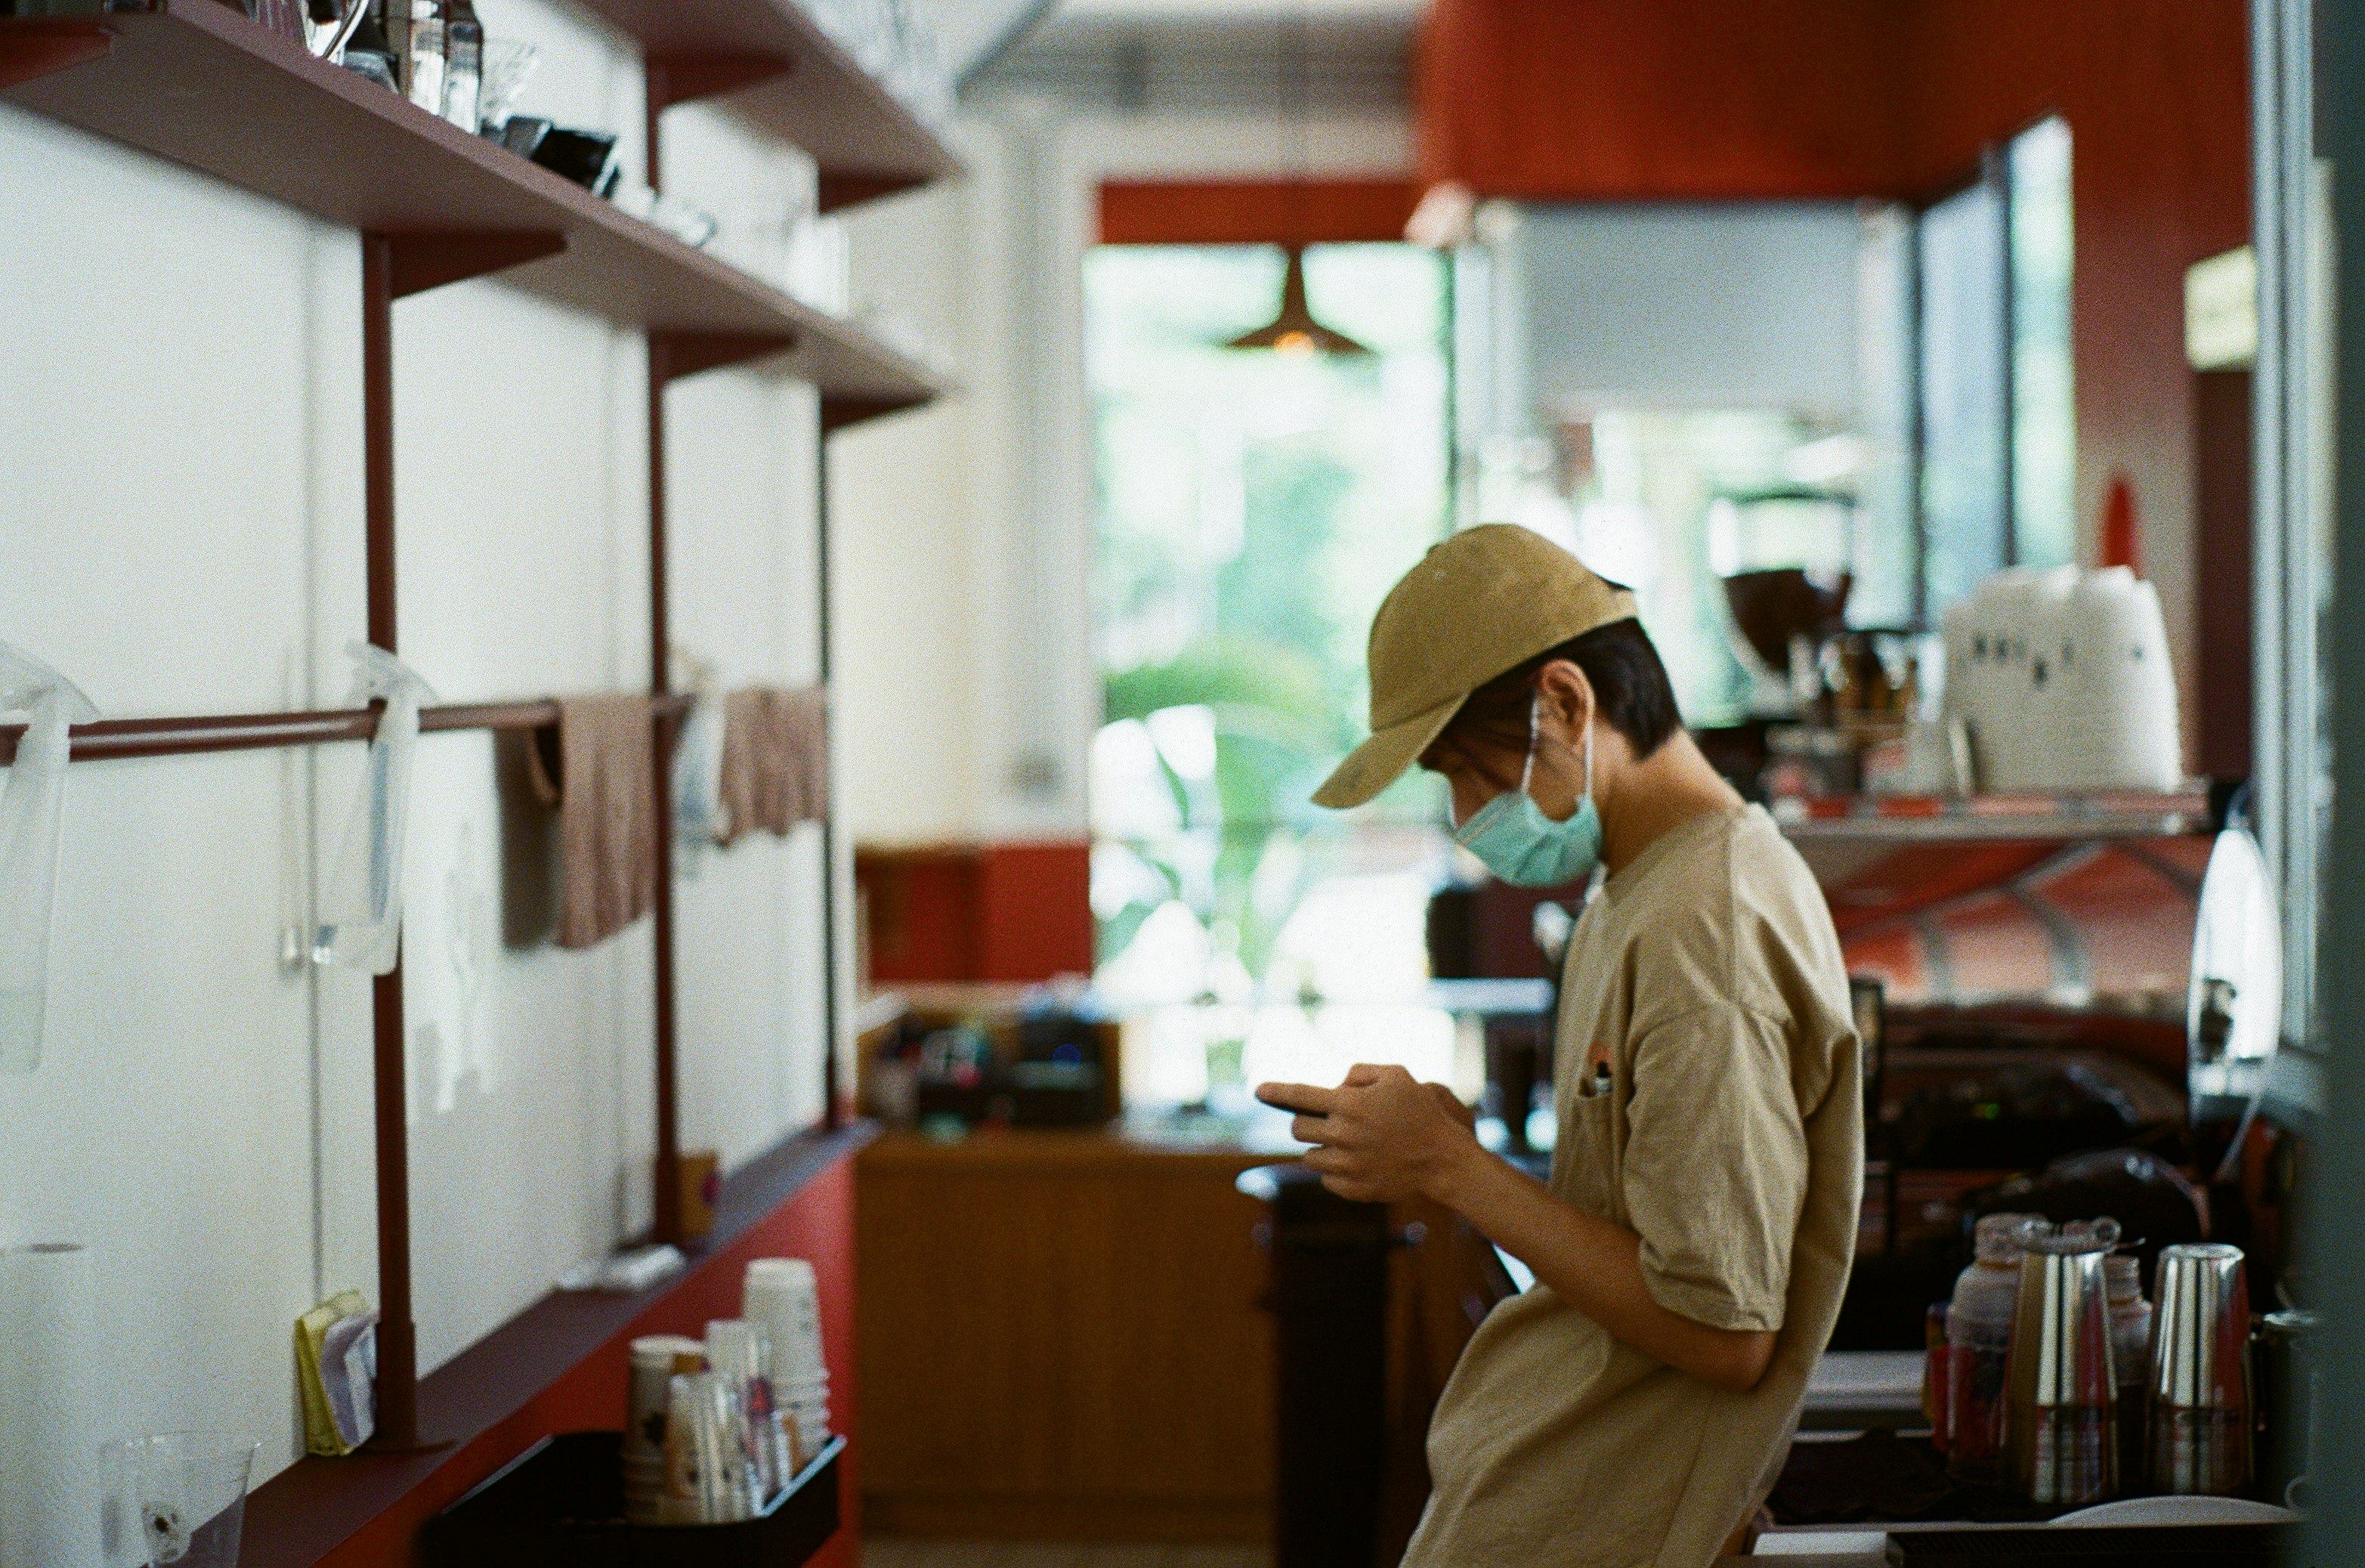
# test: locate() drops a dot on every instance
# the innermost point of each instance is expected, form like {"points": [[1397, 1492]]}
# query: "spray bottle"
{"points": [[32, 824], [360, 917]]}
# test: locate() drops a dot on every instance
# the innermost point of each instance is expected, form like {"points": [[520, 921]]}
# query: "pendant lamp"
{"points": [[1294, 331]]}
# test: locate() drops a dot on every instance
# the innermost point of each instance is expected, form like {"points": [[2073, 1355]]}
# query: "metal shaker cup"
{"points": [[2287, 1374], [2200, 1371], [2061, 1386]]}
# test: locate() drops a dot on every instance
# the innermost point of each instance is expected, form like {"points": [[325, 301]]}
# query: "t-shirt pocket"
{"points": [[1588, 1165]]}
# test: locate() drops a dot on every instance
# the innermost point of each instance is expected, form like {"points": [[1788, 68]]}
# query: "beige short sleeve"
{"points": [[1715, 1169]]}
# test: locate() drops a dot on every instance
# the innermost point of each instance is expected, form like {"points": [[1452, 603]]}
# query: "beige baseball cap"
{"points": [[1484, 601]]}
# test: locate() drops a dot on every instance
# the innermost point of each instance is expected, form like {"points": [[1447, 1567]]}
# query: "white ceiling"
{"points": [[966, 30], [1070, 45], [1241, 10]]}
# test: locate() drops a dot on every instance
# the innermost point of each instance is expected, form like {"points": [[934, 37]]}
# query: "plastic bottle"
{"points": [[1979, 1345], [2130, 1355]]}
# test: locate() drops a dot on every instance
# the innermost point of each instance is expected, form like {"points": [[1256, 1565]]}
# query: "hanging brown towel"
{"points": [[606, 795], [775, 760], [806, 718]]}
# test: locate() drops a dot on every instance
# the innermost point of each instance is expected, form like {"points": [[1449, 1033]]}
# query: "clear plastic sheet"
{"points": [[32, 823], [698, 816], [697, 782], [360, 917]]}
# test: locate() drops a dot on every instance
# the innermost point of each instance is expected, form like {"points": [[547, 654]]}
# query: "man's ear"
{"points": [[1568, 693]]}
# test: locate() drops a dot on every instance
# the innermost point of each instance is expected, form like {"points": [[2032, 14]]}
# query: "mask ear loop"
{"points": [[1535, 722], [1535, 731]]}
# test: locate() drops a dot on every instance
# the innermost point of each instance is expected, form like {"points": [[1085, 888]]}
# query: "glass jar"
{"points": [[1978, 1348]]}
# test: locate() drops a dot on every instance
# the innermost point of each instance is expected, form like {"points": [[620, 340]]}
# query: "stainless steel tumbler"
{"points": [[2200, 1371], [2060, 1438], [2287, 1371]]}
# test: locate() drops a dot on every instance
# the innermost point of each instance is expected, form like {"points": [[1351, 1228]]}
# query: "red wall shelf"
{"points": [[803, 87], [560, 1365], [195, 83]]}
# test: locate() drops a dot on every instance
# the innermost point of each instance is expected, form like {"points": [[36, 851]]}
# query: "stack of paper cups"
{"points": [[50, 1392], [656, 1358], [781, 1295]]}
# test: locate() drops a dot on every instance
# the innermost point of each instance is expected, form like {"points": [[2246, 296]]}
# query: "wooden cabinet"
{"points": [[1060, 1335]]}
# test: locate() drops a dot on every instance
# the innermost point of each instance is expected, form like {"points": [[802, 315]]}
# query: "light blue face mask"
{"points": [[1522, 845]]}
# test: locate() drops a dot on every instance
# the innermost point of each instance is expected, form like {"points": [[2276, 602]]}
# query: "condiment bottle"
{"points": [[1978, 1346], [1936, 1359], [2130, 1353]]}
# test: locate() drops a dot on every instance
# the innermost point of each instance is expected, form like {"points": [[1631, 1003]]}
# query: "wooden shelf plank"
{"points": [[867, 141], [195, 83]]}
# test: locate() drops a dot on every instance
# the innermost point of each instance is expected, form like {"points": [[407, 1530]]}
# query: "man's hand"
{"points": [[1380, 1136], [1384, 1137]]}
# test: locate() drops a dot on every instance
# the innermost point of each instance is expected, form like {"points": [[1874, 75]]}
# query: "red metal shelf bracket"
{"points": [[422, 262], [693, 353], [837, 413], [683, 78], [29, 50]]}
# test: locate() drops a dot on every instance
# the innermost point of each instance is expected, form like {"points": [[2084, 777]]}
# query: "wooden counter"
{"points": [[1061, 1337]]}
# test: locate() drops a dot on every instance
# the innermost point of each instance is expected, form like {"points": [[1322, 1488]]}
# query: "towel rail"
{"points": [[110, 740]]}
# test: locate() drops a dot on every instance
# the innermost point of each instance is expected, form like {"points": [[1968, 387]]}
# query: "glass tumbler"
{"points": [[177, 1498]]}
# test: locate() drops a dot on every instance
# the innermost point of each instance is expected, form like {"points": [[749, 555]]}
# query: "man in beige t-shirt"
{"points": [[1634, 1405]]}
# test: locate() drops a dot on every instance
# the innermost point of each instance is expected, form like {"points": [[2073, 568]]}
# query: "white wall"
{"points": [[1713, 305], [968, 692], [180, 531]]}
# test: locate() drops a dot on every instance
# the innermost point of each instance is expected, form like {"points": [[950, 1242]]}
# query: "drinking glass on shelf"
{"points": [[504, 67], [464, 66], [177, 1500]]}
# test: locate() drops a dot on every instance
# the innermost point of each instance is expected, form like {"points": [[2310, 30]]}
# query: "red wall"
{"points": [[995, 911], [1254, 212], [1653, 100], [1609, 100]]}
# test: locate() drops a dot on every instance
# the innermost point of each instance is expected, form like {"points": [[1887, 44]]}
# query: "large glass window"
{"points": [[1966, 394], [2297, 452], [1996, 381], [2043, 410], [1254, 506]]}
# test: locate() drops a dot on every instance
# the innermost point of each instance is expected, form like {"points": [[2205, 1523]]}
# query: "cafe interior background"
{"points": [[860, 604]]}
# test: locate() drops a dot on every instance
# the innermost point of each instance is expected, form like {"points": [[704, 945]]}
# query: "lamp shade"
{"points": [[1295, 330]]}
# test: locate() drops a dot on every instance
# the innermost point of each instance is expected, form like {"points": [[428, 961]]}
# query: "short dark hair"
{"points": [[1629, 682]]}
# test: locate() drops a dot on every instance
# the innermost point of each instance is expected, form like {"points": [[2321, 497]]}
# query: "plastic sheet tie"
{"points": [[360, 917], [32, 827]]}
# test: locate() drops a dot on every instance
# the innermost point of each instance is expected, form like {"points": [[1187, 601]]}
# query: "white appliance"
{"points": [[2062, 678]]}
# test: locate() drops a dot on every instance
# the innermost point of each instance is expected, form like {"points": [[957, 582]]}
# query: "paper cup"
{"points": [[656, 1358]]}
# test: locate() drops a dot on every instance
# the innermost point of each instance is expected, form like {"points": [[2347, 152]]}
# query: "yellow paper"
{"points": [[321, 1434]]}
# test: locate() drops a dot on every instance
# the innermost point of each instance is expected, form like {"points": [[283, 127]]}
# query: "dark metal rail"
{"points": [[111, 739]]}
